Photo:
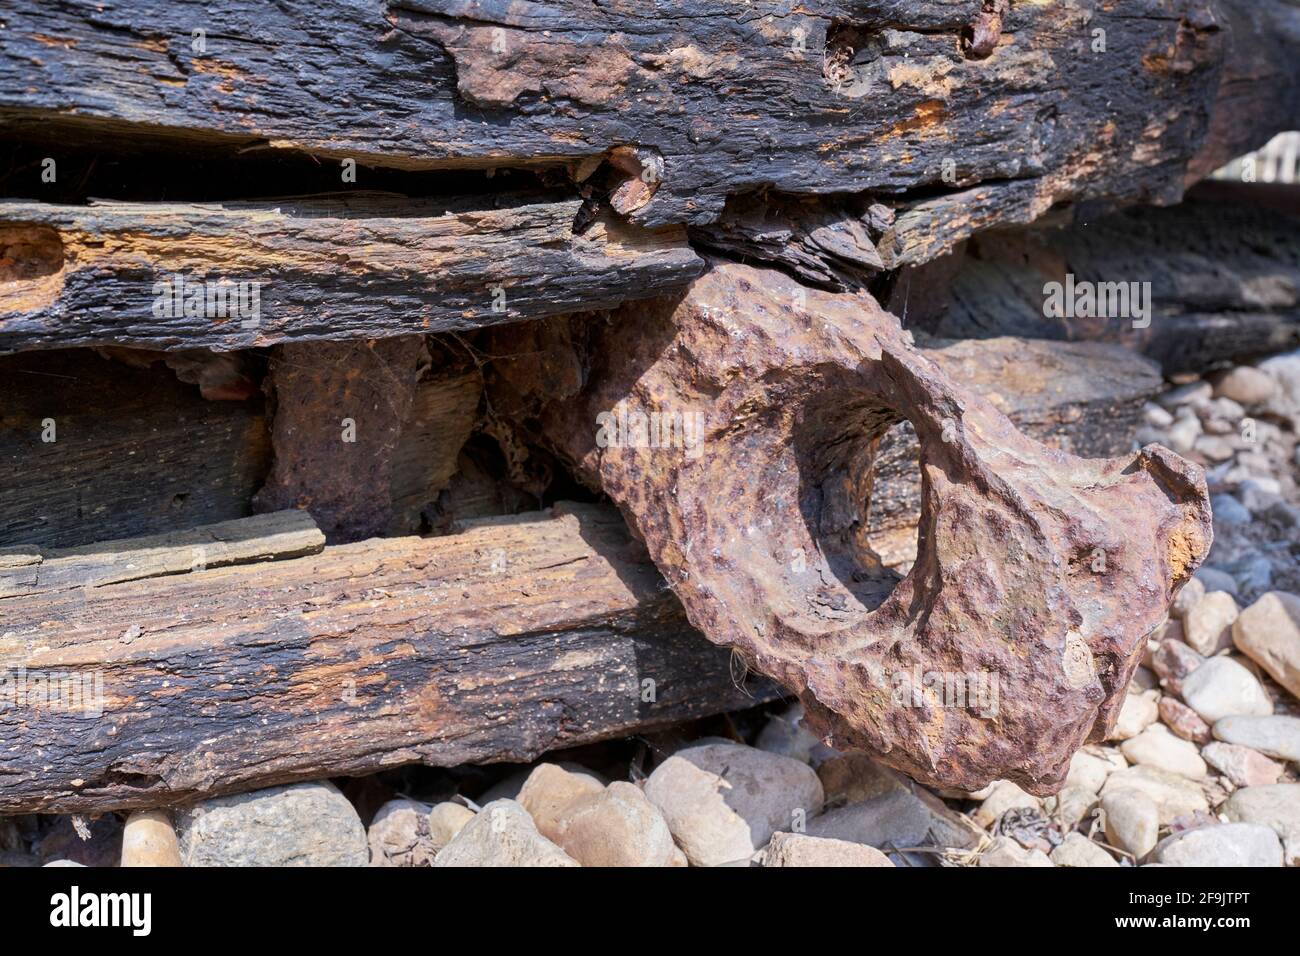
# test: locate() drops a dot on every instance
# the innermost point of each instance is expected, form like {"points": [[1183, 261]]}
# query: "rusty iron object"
{"points": [[735, 426], [339, 409], [984, 32]]}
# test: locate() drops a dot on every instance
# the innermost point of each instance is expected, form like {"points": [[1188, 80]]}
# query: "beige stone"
{"points": [[617, 826], [1207, 627], [797, 849], [445, 821], [549, 789], [1268, 632], [502, 835], [149, 839], [1137, 714]]}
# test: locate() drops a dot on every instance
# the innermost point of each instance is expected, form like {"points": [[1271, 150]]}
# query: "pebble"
{"points": [[1221, 688], [1224, 844], [1089, 768], [1174, 796], [1215, 580], [1183, 433], [895, 819], [1187, 596], [1156, 417], [724, 801], [549, 790], [510, 787], [502, 834], [616, 827], [1138, 712], [1276, 736], [1260, 495], [797, 849], [1172, 662], [1004, 796], [1228, 510], [1276, 806], [1071, 806], [1228, 411], [306, 824], [1078, 851], [1242, 765], [1191, 393], [1132, 821], [445, 821], [1253, 573], [1284, 370], [1184, 721], [1157, 747], [1207, 627], [1268, 632], [149, 839], [1213, 447], [785, 734], [1246, 385], [1004, 851], [399, 835]]}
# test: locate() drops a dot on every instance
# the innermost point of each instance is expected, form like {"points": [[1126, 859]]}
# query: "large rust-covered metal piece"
{"points": [[736, 427]]}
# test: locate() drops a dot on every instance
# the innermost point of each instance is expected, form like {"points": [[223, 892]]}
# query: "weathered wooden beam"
{"points": [[1221, 272], [1258, 89], [268, 537], [92, 450], [443, 413], [1083, 100], [253, 274], [512, 638]]}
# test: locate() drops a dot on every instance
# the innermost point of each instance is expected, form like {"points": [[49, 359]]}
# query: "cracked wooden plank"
{"points": [[254, 274], [1085, 100], [1221, 274], [515, 637], [268, 537]]}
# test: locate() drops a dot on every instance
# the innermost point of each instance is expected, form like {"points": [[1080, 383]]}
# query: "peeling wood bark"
{"points": [[1223, 268], [513, 638], [443, 412], [834, 96], [310, 269]]}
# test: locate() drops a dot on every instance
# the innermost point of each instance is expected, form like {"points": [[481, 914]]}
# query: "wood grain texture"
{"points": [[1223, 268], [722, 99], [324, 268], [134, 451], [268, 537], [516, 637]]}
